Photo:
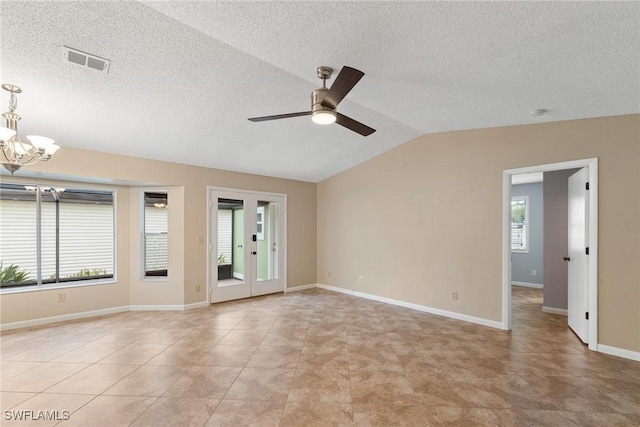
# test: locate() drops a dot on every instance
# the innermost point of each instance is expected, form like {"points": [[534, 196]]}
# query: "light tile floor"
{"points": [[315, 358]]}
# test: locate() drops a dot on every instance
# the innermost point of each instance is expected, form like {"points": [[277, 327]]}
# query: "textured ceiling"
{"points": [[185, 76]]}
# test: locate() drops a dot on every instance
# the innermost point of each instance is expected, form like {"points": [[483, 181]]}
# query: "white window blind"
{"points": [[155, 244], [225, 235], [77, 233]]}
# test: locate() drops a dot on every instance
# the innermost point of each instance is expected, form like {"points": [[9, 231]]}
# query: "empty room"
{"points": [[319, 213]]}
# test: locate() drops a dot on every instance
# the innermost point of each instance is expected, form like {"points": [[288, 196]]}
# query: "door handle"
{"points": [[254, 253], [566, 258]]}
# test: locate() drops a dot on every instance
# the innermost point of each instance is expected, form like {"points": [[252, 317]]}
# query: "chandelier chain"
{"points": [[13, 102]]}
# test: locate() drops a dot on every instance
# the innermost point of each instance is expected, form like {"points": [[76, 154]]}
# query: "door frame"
{"points": [[592, 165], [212, 273]]}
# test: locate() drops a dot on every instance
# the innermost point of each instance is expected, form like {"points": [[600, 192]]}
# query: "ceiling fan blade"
{"points": [[345, 81], [353, 125], [280, 116]]}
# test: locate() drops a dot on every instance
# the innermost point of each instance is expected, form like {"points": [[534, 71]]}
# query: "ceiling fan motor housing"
{"points": [[316, 100]]}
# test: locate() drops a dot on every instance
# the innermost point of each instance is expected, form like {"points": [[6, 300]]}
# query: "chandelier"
{"points": [[14, 152]]}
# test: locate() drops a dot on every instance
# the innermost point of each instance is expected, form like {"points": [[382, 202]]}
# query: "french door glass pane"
{"points": [[230, 242], [268, 246]]}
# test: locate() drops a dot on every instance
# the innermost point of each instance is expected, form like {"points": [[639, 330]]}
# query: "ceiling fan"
{"points": [[325, 100]]}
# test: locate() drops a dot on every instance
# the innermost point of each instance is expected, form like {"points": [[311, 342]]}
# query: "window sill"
{"points": [[52, 286], [154, 279], [519, 251]]}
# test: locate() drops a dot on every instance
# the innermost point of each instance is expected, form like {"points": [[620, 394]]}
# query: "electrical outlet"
{"points": [[201, 240], [197, 289], [534, 273], [62, 297], [455, 296], [329, 275], [360, 280]]}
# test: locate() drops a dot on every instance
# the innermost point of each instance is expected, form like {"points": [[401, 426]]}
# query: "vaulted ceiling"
{"points": [[185, 76]]}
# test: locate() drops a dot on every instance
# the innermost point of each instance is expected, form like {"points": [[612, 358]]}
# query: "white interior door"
{"points": [[247, 244], [578, 285]]}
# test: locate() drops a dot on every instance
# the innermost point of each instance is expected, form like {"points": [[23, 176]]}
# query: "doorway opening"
{"points": [[589, 297]]}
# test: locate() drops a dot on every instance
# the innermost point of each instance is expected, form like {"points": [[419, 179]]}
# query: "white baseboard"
{"points": [[553, 310], [62, 318], [620, 352], [301, 288], [150, 307], [423, 308], [100, 312], [170, 307], [528, 285], [199, 304]]}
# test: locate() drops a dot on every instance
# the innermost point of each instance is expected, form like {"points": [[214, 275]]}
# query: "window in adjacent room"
{"points": [[155, 235], [520, 224], [55, 235], [260, 223]]}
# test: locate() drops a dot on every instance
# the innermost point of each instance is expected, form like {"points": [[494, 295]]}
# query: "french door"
{"points": [[247, 247]]}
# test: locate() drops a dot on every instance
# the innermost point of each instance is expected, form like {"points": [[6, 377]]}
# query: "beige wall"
{"points": [[425, 219], [417, 223], [187, 257]]}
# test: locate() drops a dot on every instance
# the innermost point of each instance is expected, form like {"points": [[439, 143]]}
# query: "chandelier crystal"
{"points": [[15, 153]]}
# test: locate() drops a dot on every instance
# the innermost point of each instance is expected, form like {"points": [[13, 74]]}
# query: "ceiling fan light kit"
{"points": [[325, 100], [323, 117], [16, 153]]}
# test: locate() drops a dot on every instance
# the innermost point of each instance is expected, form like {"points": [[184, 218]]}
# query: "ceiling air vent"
{"points": [[85, 59]]}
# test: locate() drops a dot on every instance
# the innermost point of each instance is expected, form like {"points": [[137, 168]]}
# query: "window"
{"points": [[520, 224], [225, 236], [260, 225], [155, 235], [52, 235]]}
